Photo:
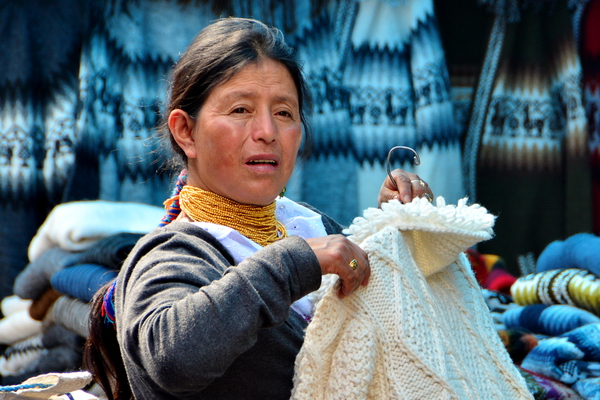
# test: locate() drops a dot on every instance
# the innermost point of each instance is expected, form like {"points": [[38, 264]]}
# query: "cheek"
{"points": [[294, 140], [216, 155]]}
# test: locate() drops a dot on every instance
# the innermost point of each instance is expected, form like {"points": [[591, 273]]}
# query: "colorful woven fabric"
{"points": [[577, 287], [568, 357], [518, 343], [524, 290], [498, 303], [108, 304], [530, 147], [544, 388], [584, 290], [172, 204], [500, 280], [548, 320]]}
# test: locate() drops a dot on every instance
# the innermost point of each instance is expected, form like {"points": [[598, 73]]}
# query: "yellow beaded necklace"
{"points": [[257, 223]]}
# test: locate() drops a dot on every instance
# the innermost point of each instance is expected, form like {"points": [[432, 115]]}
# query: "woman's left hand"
{"points": [[409, 186]]}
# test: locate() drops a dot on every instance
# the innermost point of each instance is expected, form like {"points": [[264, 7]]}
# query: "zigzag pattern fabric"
{"points": [[376, 68], [533, 145]]}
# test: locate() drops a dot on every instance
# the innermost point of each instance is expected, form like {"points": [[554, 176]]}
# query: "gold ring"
{"points": [[428, 197], [421, 182], [354, 264]]}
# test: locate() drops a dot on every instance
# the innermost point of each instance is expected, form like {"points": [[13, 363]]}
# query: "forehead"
{"points": [[262, 77]]}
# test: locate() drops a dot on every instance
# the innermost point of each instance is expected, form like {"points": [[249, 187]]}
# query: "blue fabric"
{"points": [[552, 320], [83, 280], [524, 317], [589, 388], [578, 251], [568, 357]]}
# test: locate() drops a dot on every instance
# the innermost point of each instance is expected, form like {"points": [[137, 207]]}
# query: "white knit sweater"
{"points": [[420, 329]]}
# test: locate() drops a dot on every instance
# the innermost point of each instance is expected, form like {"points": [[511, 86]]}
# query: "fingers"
{"points": [[420, 188], [355, 274], [338, 255], [409, 186]]}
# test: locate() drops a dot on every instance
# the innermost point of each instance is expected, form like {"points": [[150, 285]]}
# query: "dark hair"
{"points": [[218, 52], [221, 50], [101, 353]]}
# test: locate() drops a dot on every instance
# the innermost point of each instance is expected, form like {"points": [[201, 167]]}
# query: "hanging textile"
{"points": [[379, 79], [526, 151], [38, 103], [588, 33], [83, 91]]}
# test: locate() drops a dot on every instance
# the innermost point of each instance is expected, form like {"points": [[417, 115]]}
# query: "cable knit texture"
{"points": [[420, 329]]}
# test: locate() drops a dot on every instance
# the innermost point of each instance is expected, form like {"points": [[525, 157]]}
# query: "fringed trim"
{"points": [[420, 214]]}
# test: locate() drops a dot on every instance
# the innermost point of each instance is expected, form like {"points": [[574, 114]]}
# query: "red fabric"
{"points": [[591, 32], [478, 265], [500, 280], [590, 60]]}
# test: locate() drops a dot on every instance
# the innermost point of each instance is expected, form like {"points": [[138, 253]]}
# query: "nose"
{"points": [[264, 127]]}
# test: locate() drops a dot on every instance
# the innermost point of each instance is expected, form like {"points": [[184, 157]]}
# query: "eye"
{"points": [[239, 110], [285, 113]]}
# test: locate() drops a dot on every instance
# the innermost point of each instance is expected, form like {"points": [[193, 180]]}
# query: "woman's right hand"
{"points": [[336, 254]]}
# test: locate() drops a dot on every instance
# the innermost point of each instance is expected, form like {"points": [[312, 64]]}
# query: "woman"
{"points": [[203, 304]]}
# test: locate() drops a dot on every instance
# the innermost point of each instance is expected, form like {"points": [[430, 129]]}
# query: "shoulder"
{"points": [[177, 250], [180, 237]]}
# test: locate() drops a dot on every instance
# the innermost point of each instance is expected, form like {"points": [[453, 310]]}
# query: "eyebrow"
{"points": [[241, 94]]}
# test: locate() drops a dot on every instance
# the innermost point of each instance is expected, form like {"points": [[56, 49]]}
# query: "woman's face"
{"points": [[247, 135]]}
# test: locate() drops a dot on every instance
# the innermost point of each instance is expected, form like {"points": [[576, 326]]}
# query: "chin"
{"points": [[261, 200]]}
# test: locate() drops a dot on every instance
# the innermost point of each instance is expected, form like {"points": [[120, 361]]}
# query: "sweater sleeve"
{"points": [[184, 314]]}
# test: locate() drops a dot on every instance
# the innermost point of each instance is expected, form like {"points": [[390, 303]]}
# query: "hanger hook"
{"points": [[389, 172]]}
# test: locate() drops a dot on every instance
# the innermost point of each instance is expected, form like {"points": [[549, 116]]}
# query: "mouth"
{"points": [[263, 162]]}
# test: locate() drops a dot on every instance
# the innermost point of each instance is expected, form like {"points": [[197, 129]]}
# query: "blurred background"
{"points": [[500, 98]]}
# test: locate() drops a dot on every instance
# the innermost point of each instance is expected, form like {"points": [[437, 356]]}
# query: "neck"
{"points": [[257, 223]]}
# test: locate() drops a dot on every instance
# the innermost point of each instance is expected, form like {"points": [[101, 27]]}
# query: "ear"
{"points": [[182, 126]]}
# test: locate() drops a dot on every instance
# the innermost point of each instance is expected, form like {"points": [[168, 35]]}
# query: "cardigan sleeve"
{"points": [[184, 313]]}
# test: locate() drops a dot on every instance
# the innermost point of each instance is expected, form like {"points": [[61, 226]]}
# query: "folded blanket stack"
{"points": [[79, 248], [551, 321]]}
